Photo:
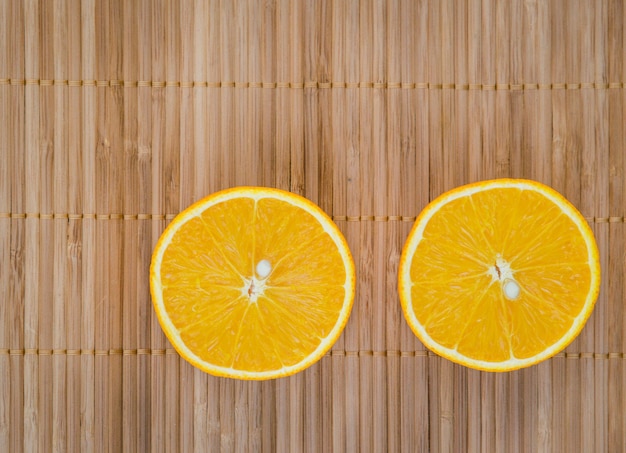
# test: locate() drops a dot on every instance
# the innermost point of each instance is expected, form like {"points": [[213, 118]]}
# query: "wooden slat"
{"points": [[165, 192], [379, 185], [144, 199], [88, 143], [615, 270], [353, 206], [31, 204], [130, 202], [74, 227], [558, 45], [5, 230], [46, 239], [60, 161]]}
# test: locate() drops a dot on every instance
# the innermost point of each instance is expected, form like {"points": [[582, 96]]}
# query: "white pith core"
{"points": [[502, 273], [253, 287]]}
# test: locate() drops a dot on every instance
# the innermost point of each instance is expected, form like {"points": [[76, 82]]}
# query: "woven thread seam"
{"points": [[87, 352], [333, 353], [170, 216], [312, 84]]}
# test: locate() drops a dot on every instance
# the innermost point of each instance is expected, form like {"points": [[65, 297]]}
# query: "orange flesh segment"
{"points": [[451, 286], [214, 255]]}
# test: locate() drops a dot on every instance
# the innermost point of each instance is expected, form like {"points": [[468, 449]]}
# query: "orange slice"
{"points": [[252, 283], [499, 275]]}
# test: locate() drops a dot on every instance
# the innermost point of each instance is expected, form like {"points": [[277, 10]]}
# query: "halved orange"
{"points": [[499, 275], [252, 283]]}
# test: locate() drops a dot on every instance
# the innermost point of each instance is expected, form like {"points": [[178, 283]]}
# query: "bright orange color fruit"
{"points": [[252, 283], [499, 275]]}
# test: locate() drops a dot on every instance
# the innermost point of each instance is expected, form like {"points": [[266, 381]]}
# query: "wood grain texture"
{"points": [[117, 114]]}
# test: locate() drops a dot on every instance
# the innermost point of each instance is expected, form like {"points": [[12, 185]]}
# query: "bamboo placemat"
{"points": [[115, 115]]}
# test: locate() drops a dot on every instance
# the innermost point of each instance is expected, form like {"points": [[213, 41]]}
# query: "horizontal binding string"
{"points": [[170, 216], [371, 353], [374, 218], [613, 219], [311, 84], [333, 353], [87, 352], [590, 355]]}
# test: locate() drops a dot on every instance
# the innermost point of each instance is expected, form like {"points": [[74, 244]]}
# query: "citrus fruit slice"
{"points": [[499, 275], [252, 283]]}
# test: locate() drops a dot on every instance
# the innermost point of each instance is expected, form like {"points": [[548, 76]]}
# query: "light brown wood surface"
{"points": [[116, 114]]}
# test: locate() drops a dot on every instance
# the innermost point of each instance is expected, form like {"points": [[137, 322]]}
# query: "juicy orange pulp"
{"points": [[225, 317], [478, 242]]}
